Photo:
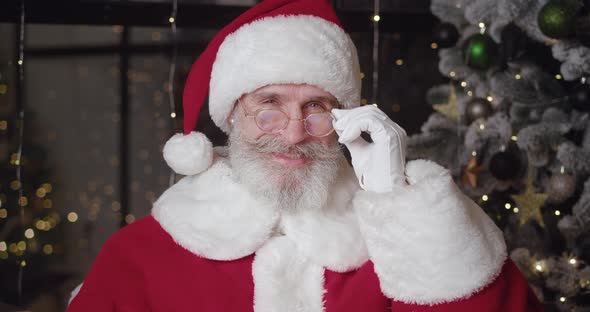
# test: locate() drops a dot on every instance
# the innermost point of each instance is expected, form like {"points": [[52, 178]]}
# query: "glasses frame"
{"points": [[258, 111]]}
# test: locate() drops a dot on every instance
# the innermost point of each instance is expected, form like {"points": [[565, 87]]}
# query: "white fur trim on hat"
{"points": [[296, 49], [188, 154]]}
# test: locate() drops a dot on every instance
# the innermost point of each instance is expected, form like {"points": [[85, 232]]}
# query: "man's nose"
{"points": [[295, 132]]}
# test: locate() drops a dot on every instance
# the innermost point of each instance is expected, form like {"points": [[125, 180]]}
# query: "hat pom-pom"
{"points": [[188, 154]]}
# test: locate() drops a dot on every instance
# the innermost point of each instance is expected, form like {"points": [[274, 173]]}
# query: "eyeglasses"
{"points": [[273, 121]]}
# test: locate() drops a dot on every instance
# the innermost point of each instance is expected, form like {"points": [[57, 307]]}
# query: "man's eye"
{"points": [[315, 106], [269, 101]]}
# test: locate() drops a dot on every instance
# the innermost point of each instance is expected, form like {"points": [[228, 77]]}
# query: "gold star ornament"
{"points": [[529, 204], [449, 109]]}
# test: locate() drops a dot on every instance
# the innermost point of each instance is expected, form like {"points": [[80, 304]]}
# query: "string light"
{"points": [[171, 73], [463, 84], [562, 299], [72, 217], [434, 46], [489, 98], [376, 18], [516, 210], [482, 126], [514, 138], [474, 153], [29, 233], [3, 246], [507, 206], [484, 197], [539, 266], [452, 74], [558, 77], [573, 261], [517, 76], [171, 20], [470, 93], [557, 212], [399, 62]]}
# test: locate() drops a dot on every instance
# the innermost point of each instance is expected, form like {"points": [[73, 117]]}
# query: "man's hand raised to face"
{"points": [[379, 165]]}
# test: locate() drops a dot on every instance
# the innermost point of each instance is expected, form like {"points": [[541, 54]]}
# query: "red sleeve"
{"points": [[114, 283], [509, 292]]}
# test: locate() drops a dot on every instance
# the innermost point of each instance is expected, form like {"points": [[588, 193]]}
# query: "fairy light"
{"points": [[375, 56], [516, 210], [434, 46], [562, 299], [539, 266], [29, 233], [399, 62], [490, 98], [557, 212], [470, 93], [573, 261], [473, 153], [558, 77], [72, 217], [507, 206], [18, 161], [514, 138], [517, 76], [482, 126], [463, 84], [484, 197], [171, 73], [452, 74]]}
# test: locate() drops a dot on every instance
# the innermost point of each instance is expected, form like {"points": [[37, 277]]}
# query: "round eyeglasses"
{"points": [[271, 121]]}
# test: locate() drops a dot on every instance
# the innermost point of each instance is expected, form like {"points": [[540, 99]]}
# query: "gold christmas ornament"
{"points": [[530, 203], [449, 109]]}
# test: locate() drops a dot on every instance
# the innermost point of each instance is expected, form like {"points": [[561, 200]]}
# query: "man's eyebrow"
{"points": [[265, 95], [325, 99]]}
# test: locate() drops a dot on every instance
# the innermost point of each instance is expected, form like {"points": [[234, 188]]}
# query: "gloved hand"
{"points": [[379, 165]]}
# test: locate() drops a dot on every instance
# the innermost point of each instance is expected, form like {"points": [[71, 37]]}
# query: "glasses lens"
{"points": [[319, 124], [270, 120]]}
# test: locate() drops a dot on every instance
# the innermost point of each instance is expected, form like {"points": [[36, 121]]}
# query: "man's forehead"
{"points": [[305, 91]]}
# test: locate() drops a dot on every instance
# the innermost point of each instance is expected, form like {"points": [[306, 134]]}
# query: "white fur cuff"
{"points": [[429, 242]]}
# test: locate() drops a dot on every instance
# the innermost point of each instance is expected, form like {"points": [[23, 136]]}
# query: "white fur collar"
{"points": [[213, 216], [285, 280]]}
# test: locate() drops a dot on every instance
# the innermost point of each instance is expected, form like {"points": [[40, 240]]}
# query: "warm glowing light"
{"points": [[573, 261], [173, 115], [470, 93], [376, 18], [490, 99], [484, 197], [514, 138], [482, 126], [434, 45], [29, 233], [482, 25], [558, 77], [3, 213], [171, 20], [515, 210], [452, 74], [507, 206], [474, 153], [399, 62], [562, 299], [20, 62], [3, 246], [72, 217], [539, 266], [47, 249], [557, 212], [517, 76], [463, 84]]}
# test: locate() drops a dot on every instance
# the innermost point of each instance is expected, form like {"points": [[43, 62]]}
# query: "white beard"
{"points": [[292, 189]]}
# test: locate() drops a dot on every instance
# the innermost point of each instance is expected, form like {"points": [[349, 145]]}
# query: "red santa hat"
{"points": [[274, 42]]}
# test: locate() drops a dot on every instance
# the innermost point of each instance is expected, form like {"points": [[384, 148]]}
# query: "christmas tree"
{"points": [[31, 227], [513, 126]]}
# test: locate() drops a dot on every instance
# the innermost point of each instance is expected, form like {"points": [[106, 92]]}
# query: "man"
{"points": [[278, 221]]}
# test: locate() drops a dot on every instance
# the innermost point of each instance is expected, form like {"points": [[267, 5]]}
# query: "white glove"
{"points": [[379, 165]]}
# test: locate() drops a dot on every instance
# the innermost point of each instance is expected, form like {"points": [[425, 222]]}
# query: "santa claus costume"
{"points": [[210, 244]]}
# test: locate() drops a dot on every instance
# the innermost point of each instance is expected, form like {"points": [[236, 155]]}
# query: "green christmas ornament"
{"points": [[480, 52], [557, 18]]}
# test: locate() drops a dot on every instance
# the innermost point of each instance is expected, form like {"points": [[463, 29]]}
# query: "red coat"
{"points": [[150, 265]]}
